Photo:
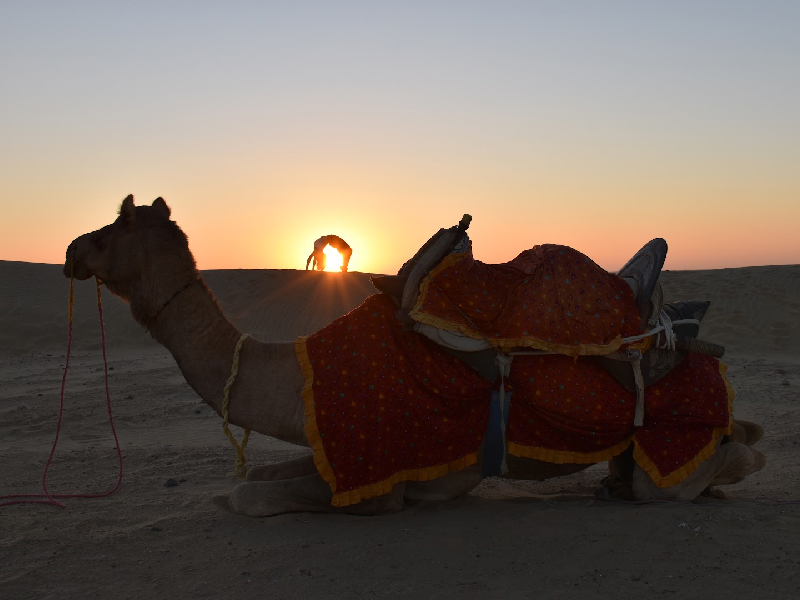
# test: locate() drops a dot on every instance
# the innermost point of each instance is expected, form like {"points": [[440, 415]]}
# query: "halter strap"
{"points": [[153, 316]]}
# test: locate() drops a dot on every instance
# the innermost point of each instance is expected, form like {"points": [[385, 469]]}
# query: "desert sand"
{"points": [[161, 535]]}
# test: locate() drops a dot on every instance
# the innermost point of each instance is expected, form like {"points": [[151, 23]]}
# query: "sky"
{"points": [[265, 125]]}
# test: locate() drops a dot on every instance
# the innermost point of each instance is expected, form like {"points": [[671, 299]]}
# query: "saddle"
{"points": [[675, 326], [403, 288]]}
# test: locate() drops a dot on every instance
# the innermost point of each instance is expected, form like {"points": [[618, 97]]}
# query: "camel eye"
{"points": [[100, 243]]}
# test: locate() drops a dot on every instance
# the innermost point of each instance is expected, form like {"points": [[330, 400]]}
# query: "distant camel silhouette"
{"points": [[334, 241]]}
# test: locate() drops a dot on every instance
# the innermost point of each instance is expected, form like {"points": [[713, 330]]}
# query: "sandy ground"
{"points": [[505, 540]]}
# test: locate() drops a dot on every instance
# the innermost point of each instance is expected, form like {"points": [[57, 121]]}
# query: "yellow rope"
{"points": [[240, 470]]}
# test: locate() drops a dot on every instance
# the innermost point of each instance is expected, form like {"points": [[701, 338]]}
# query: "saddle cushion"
{"points": [[550, 298]]}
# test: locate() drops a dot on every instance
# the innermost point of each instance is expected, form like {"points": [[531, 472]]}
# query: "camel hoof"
{"points": [[615, 489], [712, 492]]}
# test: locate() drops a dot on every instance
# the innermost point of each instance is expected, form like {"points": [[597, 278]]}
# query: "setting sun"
{"points": [[333, 260]]}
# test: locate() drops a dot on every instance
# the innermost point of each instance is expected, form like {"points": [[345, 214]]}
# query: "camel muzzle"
{"points": [[72, 266]]}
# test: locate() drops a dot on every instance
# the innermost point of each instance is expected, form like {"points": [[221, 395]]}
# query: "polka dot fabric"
{"points": [[686, 413], [384, 404], [549, 297], [572, 411]]}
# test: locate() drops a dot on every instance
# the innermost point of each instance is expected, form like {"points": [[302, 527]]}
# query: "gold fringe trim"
{"points": [[385, 486], [690, 467], [560, 457], [312, 432], [507, 344], [321, 460]]}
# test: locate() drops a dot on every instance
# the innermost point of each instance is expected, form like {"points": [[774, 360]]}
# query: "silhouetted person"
{"points": [[334, 241]]}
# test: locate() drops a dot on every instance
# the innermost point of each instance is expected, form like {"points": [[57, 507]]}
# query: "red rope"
{"points": [[47, 497]]}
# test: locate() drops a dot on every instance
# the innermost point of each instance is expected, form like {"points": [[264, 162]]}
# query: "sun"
{"points": [[334, 259]]}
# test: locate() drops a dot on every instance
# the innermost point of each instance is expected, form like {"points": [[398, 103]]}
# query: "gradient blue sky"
{"points": [[265, 125]]}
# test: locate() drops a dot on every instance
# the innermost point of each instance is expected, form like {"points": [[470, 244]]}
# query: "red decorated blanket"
{"points": [[384, 405], [549, 298], [573, 411]]}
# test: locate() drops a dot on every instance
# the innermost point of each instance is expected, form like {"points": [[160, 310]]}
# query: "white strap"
{"points": [[638, 415], [664, 322]]}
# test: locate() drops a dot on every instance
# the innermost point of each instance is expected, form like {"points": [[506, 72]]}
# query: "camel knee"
{"points": [[737, 462], [731, 463]]}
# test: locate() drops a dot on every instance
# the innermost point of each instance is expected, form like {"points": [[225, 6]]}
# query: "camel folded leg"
{"points": [[298, 478], [447, 487], [731, 463]]}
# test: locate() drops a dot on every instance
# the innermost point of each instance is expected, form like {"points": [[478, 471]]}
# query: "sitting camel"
{"points": [[144, 258]]}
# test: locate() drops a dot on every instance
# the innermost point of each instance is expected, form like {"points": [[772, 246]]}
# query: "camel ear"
{"points": [[162, 207], [128, 211]]}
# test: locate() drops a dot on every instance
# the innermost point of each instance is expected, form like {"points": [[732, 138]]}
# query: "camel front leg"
{"points": [[309, 493]]}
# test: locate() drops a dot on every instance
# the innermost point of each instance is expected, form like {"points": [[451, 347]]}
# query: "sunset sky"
{"points": [[265, 125]]}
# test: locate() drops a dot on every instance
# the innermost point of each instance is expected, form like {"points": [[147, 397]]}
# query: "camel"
{"points": [[144, 258]]}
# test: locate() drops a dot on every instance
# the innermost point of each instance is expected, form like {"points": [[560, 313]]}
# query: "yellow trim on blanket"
{"points": [[321, 460], [679, 475], [312, 433], [507, 344], [560, 457], [385, 486]]}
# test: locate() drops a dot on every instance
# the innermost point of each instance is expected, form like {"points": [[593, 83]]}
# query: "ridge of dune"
{"points": [[754, 310]]}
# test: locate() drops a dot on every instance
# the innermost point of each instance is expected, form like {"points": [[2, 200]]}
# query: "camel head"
{"points": [[139, 254]]}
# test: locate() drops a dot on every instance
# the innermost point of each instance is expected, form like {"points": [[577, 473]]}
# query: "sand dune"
{"points": [[505, 540], [754, 310], [272, 305]]}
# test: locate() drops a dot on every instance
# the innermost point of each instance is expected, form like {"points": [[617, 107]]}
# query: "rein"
{"points": [[47, 497]]}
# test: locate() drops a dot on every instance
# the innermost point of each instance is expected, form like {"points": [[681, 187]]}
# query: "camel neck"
{"points": [[266, 396]]}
